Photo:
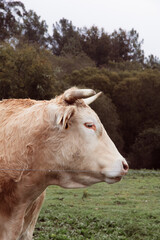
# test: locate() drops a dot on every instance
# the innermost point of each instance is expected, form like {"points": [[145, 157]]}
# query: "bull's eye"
{"points": [[90, 126]]}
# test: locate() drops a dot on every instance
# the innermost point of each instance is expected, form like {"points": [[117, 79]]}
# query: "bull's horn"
{"points": [[71, 96], [92, 99]]}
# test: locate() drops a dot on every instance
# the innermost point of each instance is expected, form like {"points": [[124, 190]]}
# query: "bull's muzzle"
{"points": [[125, 167]]}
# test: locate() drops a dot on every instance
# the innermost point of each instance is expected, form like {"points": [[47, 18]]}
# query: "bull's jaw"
{"points": [[85, 181], [113, 180], [76, 179]]}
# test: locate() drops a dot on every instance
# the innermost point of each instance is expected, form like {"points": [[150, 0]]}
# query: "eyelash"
{"points": [[90, 126]]}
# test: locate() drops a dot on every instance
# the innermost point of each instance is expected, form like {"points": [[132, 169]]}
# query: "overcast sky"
{"points": [[142, 15]]}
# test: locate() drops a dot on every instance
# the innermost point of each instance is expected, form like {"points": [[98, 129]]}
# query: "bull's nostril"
{"points": [[125, 166]]}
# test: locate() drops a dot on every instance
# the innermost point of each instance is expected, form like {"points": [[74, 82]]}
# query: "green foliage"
{"points": [[144, 152], [137, 100], [96, 44], [64, 65], [92, 78], [128, 210], [124, 66], [25, 72]]}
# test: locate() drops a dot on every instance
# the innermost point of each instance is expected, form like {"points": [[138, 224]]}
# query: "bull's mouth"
{"points": [[113, 180]]}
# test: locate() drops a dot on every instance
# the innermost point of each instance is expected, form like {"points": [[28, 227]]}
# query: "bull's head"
{"points": [[85, 154]]}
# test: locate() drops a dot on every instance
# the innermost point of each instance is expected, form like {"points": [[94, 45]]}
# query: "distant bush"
{"points": [[146, 149], [137, 99]]}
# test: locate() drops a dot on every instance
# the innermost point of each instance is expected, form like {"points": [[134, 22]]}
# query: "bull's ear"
{"points": [[64, 116]]}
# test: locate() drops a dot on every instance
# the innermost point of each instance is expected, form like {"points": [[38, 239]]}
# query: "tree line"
{"points": [[35, 64]]}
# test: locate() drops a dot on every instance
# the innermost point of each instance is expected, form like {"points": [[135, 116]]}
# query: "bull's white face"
{"points": [[87, 153]]}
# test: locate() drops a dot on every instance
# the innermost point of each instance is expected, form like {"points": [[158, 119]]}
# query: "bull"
{"points": [[58, 142]]}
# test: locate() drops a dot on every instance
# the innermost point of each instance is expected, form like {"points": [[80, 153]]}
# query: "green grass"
{"points": [[128, 210]]}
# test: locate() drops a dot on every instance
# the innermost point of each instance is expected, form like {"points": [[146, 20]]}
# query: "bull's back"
{"points": [[11, 107]]}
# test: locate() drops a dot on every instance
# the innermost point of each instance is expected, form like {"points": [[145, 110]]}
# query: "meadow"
{"points": [[128, 210]]}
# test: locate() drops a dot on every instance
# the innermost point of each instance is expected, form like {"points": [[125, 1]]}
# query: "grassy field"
{"points": [[128, 210]]}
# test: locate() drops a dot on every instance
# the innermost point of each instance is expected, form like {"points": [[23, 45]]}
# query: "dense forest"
{"points": [[35, 64]]}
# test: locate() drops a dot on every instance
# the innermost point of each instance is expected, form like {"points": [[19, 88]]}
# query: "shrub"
{"points": [[146, 149]]}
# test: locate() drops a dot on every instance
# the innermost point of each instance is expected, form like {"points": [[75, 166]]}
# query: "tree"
{"points": [[11, 13], [118, 46], [126, 47], [96, 44], [65, 36], [35, 30]]}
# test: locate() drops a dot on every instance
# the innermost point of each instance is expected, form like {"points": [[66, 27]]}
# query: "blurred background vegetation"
{"points": [[35, 64]]}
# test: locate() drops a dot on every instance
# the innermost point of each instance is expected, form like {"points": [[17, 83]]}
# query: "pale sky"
{"points": [[142, 15]]}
